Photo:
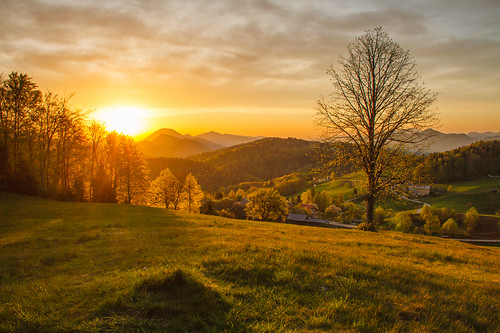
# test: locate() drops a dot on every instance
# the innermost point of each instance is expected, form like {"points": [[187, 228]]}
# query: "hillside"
{"points": [[480, 193], [479, 159], [104, 267], [260, 160]]}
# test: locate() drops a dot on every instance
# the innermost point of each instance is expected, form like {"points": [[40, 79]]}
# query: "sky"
{"points": [[244, 67]]}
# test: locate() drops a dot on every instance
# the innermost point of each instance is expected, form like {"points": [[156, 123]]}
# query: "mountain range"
{"points": [[167, 142], [440, 142]]}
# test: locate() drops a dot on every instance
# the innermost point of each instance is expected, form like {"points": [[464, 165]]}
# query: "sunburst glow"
{"points": [[126, 120]]}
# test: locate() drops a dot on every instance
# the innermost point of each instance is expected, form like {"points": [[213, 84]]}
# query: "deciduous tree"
{"points": [[192, 194], [450, 227], [266, 204], [133, 171], [166, 190], [377, 111], [471, 218]]}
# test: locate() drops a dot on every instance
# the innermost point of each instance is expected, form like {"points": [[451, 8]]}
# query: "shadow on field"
{"points": [[174, 303]]}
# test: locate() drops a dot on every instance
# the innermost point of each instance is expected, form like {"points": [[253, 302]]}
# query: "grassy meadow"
{"points": [[477, 192], [103, 267]]}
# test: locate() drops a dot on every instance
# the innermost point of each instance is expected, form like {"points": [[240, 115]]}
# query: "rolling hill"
{"points": [[81, 267], [260, 160]]}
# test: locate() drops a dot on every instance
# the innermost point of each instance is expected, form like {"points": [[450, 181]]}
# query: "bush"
{"points": [[240, 194], [332, 212], [379, 215], [351, 211], [418, 231], [450, 227], [403, 222], [367, 226]]}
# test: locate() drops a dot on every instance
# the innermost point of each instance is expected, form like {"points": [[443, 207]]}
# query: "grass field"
{"points": [[103, 267], [335, 187], [477, 192]]}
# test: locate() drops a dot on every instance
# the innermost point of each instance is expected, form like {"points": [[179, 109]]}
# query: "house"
{"points": [[303, 219], [296, 217], [419, 190]]}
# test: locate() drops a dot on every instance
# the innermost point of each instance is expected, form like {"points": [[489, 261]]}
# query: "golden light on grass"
{"points": [[128, 120]]}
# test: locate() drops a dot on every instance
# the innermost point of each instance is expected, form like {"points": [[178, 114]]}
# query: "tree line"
{"points": [[50, 148], [476, 160]]}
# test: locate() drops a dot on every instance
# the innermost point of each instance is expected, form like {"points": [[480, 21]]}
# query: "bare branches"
{"points": [[378, 105]]}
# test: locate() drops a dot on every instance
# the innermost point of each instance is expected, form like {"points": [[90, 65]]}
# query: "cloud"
{"points": [[241, 52]]}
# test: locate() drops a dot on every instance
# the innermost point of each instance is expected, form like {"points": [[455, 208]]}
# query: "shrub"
{"points": [[225, 213], [332, 212], [367, 226], [351, 211], [450, 227], [418, 231], [240, 194], [403, 222], [471, 218], [432, 224], [379, 215]]}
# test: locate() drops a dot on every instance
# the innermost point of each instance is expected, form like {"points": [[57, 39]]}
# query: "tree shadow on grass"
{"points": [[174, 303]]}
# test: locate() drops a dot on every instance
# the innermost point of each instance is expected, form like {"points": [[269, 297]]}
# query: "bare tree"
{"points": [[377, 111]]}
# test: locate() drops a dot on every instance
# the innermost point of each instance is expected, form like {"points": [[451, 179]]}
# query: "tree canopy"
{"points": [[266, 204]]}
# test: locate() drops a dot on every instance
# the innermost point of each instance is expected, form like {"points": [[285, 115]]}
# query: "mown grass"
{"points": [[336, 187], [103, 267]]}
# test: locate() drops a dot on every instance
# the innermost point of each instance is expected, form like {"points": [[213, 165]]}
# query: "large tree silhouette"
{"points": [[379, 107]]}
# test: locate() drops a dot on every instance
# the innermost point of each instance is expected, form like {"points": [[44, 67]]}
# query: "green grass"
{"points": [[473, 186], [476, 192], [337, 186], [103, 267]]}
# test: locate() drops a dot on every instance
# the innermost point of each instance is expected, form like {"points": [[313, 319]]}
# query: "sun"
{"points": [[123, 119]]}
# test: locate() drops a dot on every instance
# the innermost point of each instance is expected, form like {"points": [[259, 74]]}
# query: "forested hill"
{"points": [[476, 160], [260, 160]]}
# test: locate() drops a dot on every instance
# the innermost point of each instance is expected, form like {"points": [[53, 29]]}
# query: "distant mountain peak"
{"points": [[441, 142], [167, 142], [164, 131]]}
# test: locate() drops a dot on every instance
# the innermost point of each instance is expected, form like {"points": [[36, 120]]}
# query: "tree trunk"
{"points": [[370, 205]]}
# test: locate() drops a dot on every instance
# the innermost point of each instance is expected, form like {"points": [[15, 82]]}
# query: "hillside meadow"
{"points": [[105, 267]]}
